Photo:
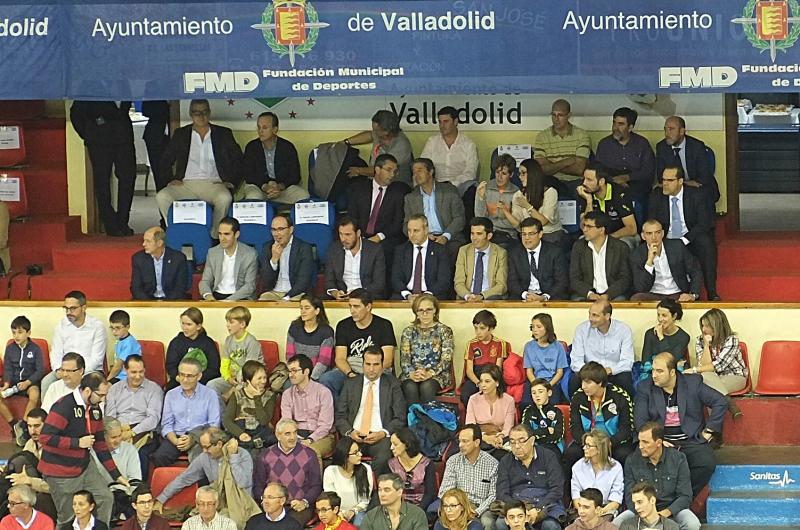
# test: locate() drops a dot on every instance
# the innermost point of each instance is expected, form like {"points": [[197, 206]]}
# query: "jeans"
{"points": [[685, 518]]}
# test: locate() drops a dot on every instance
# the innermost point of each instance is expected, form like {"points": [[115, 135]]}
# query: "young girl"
{"points": [[192, 337], [545, 357]]}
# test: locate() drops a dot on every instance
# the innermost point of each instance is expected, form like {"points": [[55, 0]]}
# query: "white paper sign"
{"points": [[250, 212], [311, 212], [193, 212], [519, 152], [9, 189], [9, 137], [568, 212]]}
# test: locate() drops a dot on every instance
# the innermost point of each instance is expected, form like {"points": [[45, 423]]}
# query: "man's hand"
{"points": [[158, 507], [686, 297], [127, 435], [233, 446], [439, 239], [652, 253], [474, 298], [19, 478], [665, 513], [375, 239], [356, 436], [584, 194], [185, 442], [593, 296], [277, 250], [209, 297], [354, 172], [85, 442], [533, 297], [707, 435], [339, 296], [271, 189], [374, 437], [608, 371], [298, 505], [122, 480], [23, 385], [306, 442], [692, 183], [244, 437]]}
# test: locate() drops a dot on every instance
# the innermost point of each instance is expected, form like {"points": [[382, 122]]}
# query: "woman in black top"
{"points": [[83, 506], [666, 335], [192, 336]]}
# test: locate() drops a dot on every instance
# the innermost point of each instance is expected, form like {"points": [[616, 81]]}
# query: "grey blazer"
{"points": [[449, 209], [245, 270]]}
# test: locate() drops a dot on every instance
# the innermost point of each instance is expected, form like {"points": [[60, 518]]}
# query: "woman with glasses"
{"points": [[192, 340], [538, 200], [83, 506], [597, 469], [311, 335], [457, 513], [493, 409], [351, 479], [416, 470], [249, 411], [426, 352]]}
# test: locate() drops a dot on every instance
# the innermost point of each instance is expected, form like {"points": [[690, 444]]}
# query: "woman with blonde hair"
{"points": [[597, 469], [457, 513]]}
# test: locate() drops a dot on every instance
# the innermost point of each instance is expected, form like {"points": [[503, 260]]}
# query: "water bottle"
{"points": [[8, 392]]}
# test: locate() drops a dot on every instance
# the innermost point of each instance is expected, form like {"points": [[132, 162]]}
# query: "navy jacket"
{"points": [[174, 276], [301, 267], [438, 270]]}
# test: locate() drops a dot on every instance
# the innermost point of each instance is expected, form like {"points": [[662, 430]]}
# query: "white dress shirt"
{"points": [[376, 424], [600, 282], [227, 284], [664, 283], [533, 286], [283, 285], [352, 268], [201, 164], [89, 340], [410, 284], [457, 164]]}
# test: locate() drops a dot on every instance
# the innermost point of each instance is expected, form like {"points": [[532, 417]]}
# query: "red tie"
{"points": [[373, 216], [416, 288]]}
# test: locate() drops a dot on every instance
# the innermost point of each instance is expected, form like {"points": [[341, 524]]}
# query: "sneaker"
{"points": [[20, 434]]}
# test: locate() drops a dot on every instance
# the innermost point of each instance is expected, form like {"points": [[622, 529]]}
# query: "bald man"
{"points": [[158, 272], [677, 148]]}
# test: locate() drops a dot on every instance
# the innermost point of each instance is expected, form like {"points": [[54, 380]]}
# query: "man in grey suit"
{"points": [[231, 267], [366, 422], [597, 246], [355, 263], [440, 203]]}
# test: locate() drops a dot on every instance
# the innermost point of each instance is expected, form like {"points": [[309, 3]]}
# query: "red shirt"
{"points": [[481, 353], [343, 525]]}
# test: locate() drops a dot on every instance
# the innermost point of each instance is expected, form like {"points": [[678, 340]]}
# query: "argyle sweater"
{"points": [[298, 471]]}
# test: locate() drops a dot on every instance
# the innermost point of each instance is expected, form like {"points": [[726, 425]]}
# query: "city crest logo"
{"points": [[768, 25], [291, 27]]}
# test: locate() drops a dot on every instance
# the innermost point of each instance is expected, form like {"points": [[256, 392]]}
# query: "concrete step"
{"points": [[750, 508]]}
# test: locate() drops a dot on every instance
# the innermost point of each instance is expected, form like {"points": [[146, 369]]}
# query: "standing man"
{"points": [[394, 513], [355, 263], [72, 431], [270, 167], [158, 272], [143, 503], [286, 271], [562, 149], [537, 270], [156, 138], [482, 267], [207, 163], [106, 130], [679, 149], [231, 268], [76, 332]]}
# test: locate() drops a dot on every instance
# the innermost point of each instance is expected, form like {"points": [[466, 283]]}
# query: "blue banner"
{"points": [[283, 48]]}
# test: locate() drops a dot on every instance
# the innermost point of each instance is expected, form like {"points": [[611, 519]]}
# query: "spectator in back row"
{"points": [[628, 155], [387, 138], [158, 272], [562, 150]]}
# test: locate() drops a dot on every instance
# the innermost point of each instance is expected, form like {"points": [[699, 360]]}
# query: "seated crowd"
{"points": [[334, 438]]}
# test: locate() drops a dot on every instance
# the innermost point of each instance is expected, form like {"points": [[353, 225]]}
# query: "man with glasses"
{"points": [[537, 271], [328, 505], [206, 466], [21, 512], [286, 264], [207, 501], [207, 163], [598, 267], [76, 332], [70, 374], [72, 431], [275, 517], [188, 409], [145, 519], [531, 476], [393, 512]]}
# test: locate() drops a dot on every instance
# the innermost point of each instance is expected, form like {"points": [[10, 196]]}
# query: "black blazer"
{"points": [[698, 164], [102, 122], [693, 398], [552, 272], [174, 276], [391, 399], [373, 268], [682, 264], [227, 153], [301, 267], [98, 524], [438, 270], [390, 217], [618, 272], [287, 164], [697, 211]]}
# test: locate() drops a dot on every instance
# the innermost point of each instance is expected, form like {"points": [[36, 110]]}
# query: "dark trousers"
{"points": [[156, 142], [623, 380], [702, 464], [704, 248], [119, 154], [145, 452], [420, 392], [380, 453], [303, 516]]}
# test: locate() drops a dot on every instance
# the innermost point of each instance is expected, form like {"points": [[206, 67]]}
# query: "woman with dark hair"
{"points": [[351, 479], [538, 200], [457, 513], [492, 408], [311, 335], [416, 470], [544, 357], [249, 411], [666, 335], [83, 506], [192, 340]]}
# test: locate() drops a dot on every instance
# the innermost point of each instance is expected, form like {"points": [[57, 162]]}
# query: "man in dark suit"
{"points": [[544, 278], [686, 215], [664, 268], [156, 138], [678, 149], [440, 203], [376, 205], [270, 167], [207, 163], [364, 267], [107, 132], [286, 263], [678, 402], [598, 245], [173, 275], [421, 265], [370, 408]]}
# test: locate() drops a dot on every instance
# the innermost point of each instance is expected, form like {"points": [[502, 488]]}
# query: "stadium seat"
{"points": [[44, 346], [269, 348], [12, 155], [318, 235], [779, 370], [748, 385], [162, 476], [154, 361], [16, 208], [567, 433], [192, 235], [254, 234]]}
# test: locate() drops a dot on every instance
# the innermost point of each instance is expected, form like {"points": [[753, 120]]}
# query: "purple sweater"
{"points": [[298, 471]]}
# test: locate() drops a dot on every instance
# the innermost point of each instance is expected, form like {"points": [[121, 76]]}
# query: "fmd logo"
{"points": [[774, 479], [290, 27], [700, 77], [768, 26]]}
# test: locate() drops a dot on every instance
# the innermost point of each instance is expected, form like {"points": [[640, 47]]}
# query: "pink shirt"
{"points": [[502, 413]]}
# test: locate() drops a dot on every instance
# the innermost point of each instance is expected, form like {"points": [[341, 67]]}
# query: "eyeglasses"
{"points": [[71, 309], [356, 452], [295, 370], [587, 446], [324, 510], [188, 376], [11, 504], [589, 226], [279, 229], [529, 234], [425, 311], [70, 371], [521, 441], [271, 497], [451, 506]]}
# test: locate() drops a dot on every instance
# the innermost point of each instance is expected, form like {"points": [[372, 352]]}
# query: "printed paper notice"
{"points": [[568, 212], [9, 137], [311, 212], [519, 152], [193, 212], [9, 189], [250, 212]]}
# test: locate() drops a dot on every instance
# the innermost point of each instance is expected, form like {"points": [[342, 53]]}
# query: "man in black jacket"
{"points": [[537, 271], [158, 272], [421, 265], [677, 148], [286, 263]]}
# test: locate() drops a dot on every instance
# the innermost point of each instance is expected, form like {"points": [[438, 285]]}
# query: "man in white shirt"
{"points": [[231, 267], [598, 266], [454, 154], [70, 374], [76, 332]]}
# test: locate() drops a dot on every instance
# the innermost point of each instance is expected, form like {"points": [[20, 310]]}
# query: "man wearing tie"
{"points": [[687, 215], [370, 408], [678, 149], [537, 271], [481, 267], [421, 265]]}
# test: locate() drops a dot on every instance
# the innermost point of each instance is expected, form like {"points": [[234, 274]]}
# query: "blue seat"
{"points": [[255, 234], [193, 235], [318, 235], [514, 178]]}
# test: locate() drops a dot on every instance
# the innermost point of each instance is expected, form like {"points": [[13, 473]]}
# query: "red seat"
{"points": [[748, 383], [12, 155], [565, 412], [17, 208], [779, 370], [44, 346], [269, 349], [276, 414], [154, 361], [164, 475]]}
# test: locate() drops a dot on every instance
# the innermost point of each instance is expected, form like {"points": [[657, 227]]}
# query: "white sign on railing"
{"points": [[9, 189], [311, 212], [9, 137], [189, 212], [250, 212]]}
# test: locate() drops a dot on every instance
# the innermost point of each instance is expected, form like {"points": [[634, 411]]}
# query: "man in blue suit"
{"points": [[286, 263], [157, 271], [421, 265]]}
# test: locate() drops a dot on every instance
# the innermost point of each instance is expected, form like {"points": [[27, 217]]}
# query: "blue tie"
{"points": [[675, 224], [477, 284]]}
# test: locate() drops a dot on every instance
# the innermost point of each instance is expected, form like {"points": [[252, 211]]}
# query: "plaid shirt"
{"points": [[478, 480], [727, 360]]}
